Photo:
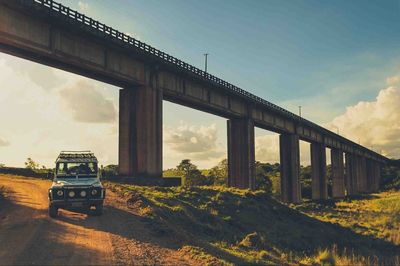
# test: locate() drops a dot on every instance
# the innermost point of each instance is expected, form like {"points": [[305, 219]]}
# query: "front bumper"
{"points": [[76, 203], [65, 201]]}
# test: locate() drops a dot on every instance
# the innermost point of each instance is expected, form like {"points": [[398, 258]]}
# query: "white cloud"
{"points": [[44, 77], [4, 142], [87, 104], [393, 81], [267, 149], [83, 6], [375, 124], [193, 142], [36, 123]]}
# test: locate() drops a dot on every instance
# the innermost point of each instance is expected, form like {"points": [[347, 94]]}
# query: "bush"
{"points": [[109, 171], [390, 176], [42, 173]]}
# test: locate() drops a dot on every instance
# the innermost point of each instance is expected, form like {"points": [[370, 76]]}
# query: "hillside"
{"points": [[228, 226]]}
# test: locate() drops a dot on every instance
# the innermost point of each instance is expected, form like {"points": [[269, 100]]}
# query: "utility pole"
{"points": [[300, 110], [205, 63], [337, 129]]}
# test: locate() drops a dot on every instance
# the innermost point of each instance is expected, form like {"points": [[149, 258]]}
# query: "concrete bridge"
{"points": [[49, 33]]}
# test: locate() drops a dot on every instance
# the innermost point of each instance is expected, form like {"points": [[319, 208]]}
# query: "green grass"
{"points": [[244, 227]]}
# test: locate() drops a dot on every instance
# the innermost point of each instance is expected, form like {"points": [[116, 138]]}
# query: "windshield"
{"points": [[72, 169]]}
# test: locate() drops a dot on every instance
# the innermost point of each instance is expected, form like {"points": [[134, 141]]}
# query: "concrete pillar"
{"points": [[377, 176], [241, 158], [290, 168], [360, 174], [362, 177], [356, 174], [318, 172], [140, 132], [349, 174], [373, 175], [338, 189], [370, 175]]}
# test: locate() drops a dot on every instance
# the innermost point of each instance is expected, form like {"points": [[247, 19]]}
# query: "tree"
{"points": [[219, 173], [2, 165], [31, 164], [263, 181], [190, 173], [109, 170]]}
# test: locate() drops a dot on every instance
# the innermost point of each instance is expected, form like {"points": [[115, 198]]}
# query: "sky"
{"points": [[339, 60]]}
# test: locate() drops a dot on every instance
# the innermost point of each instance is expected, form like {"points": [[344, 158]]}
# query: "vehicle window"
{"points": [[76, 168]]}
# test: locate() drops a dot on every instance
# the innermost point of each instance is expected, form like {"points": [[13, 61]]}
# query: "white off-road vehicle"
{"points": [[76, 184]]}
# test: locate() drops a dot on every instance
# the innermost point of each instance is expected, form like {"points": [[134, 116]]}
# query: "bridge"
{"points": [[49, 33]]}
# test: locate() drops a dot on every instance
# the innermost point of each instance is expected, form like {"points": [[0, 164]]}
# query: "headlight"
{"points": [[83, 193], [71, 194], [94, 192], [60, 193]]}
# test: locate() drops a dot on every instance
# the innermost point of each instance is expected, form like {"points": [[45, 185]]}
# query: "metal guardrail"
{"points": [[108, 31], [149, 50]]}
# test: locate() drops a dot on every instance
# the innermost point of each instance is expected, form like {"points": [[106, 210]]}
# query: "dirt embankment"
{"points": [[119, 236]]}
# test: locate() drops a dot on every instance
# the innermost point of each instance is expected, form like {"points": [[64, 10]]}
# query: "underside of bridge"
{"points": [[50, 33]]}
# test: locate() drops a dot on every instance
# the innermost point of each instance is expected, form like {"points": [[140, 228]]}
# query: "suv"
{"points": [[76, 183]]}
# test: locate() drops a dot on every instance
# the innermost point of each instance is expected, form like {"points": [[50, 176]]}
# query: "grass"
{"points": [[376, 215], [242, 227]]}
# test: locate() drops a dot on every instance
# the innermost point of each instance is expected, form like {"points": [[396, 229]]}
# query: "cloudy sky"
{"points": [[338, 60]]}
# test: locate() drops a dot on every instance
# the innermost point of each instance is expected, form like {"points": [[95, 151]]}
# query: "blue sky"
{"points": [[284, 51], [323, 55]]}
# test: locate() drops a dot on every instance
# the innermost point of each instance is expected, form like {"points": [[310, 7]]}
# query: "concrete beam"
{"points": [[338, 189], [241, 158], [35, 33], [140, 132], [318, 172], [290, 168]]}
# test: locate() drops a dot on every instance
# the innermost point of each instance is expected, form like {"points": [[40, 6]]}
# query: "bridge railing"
{"points": [[108, 32]]}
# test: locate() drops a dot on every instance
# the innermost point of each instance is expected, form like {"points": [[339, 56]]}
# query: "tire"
{"points": [[99, 210], [53, 211]]}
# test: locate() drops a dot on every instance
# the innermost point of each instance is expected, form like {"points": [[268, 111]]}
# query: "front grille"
{"points": [[88, 191]]}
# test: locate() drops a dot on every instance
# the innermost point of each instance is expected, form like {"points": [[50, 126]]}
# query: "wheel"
{"points": [[53, 211], [99, 209]]}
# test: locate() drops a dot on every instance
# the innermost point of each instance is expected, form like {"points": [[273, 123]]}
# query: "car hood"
{"points": [[77, 182]]}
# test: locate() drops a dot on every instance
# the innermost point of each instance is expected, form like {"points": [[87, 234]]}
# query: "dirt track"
{"points": [[119, 236]]}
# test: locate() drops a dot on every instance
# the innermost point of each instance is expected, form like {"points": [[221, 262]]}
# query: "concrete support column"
{"points": [[362, 177], [338, 189], [350, 175], [370, 175], [356, 174], [377, 176], [318, 172], [140, 132], [241, 157], [290, 168]]}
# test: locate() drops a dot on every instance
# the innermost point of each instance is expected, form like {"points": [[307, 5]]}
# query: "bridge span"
{"points": [[49, 33]]}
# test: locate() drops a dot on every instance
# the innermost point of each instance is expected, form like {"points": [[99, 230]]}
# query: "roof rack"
{"points": [[76, 156], [76, 152]]}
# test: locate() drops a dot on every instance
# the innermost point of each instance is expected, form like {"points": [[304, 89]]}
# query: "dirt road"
{"points": [[119, 236]]}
